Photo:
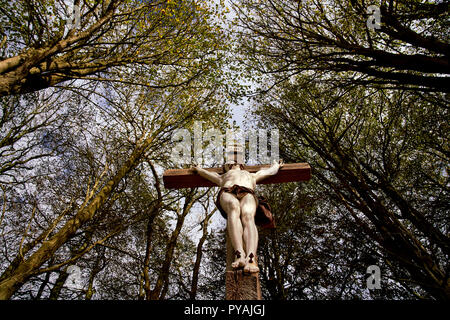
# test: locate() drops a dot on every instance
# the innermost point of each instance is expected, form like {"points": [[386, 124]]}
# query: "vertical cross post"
{"points": [[240, 285]]}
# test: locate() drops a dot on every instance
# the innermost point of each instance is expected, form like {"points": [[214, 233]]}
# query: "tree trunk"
{"points": [[161, 283], [148, 249], [56, 290], [198, 258], [27, 268], [95, 270], [42, 286]]}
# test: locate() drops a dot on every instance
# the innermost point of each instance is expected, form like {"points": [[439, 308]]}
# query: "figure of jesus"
{"points": [[238, 204]]}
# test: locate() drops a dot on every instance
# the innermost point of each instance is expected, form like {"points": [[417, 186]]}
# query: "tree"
{"points": [[106, 40], [26, 127], [333, 41], [148, 136], [213, 275], [193, 282], [316, 251], [78, 199], [367, 108], [381, 155], [59, 231]]}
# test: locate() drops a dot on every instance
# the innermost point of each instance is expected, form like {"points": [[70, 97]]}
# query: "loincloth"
{"points": [[263, 215]]}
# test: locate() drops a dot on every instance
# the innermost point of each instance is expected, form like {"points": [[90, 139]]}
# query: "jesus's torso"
{"points": [[242, 178]]}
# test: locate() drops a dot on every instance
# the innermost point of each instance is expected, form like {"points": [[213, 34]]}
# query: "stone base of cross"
{"points": [[242, 283]]}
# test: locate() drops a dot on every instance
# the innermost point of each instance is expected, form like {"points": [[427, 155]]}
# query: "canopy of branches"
{"points": [[91, 93]]}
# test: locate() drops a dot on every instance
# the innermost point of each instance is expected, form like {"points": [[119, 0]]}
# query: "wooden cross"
{"points": [[239, 285], [185, 178]]}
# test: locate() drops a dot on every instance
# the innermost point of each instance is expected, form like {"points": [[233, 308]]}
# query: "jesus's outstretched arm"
{"points": [[214, 177], [265, 173]]}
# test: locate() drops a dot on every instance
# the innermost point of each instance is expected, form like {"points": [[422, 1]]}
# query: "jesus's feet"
{"points": [[239, 262], [250, 264]]}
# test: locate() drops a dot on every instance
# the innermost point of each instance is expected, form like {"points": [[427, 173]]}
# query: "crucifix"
{"points": [[243, 209]]}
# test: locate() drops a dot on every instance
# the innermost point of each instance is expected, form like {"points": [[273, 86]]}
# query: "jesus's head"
{"points": [[230, 166], [234, 157]]}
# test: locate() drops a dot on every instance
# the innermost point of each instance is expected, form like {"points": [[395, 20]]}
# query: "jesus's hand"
{"points": [[194, 168], [278, 164]]}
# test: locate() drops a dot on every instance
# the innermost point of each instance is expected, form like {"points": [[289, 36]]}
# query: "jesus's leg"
{"points": [[231, 205], [248, 211]]}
